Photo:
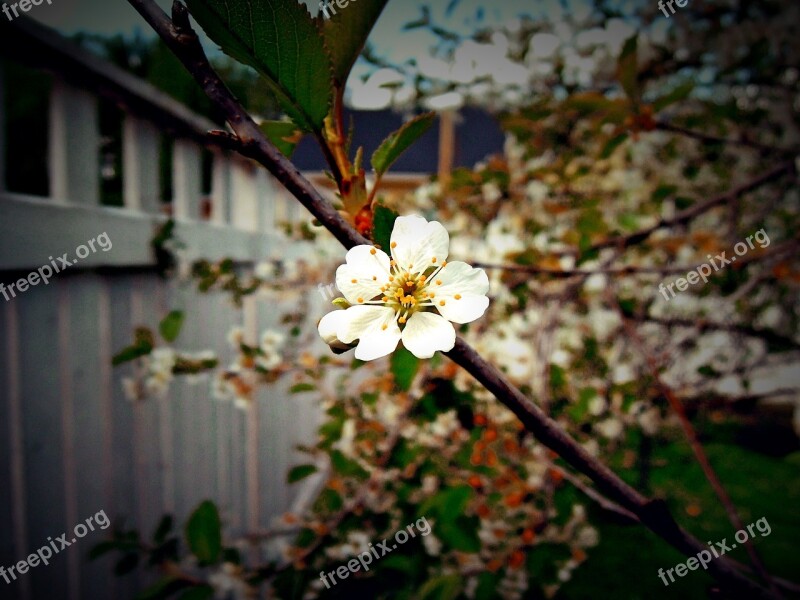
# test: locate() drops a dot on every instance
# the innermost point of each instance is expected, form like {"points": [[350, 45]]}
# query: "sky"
{"points": [[117, 16]]}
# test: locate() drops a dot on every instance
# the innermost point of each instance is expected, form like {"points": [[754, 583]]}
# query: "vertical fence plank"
{"points": [[43, 437], [188, 182], [74, 145], [220, 189], [147, 446], [140, 168], [69, 464], [15, 530], [244, 200], [88, 366], [124, 502]]}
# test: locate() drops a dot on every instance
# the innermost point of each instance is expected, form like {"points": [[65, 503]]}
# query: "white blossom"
{"points": [[411, 296]]}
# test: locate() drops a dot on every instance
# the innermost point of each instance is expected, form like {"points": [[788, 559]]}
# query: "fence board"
{"points": [[74, 124], [140, 168]]}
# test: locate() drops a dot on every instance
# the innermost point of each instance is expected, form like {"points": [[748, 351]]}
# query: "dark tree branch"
{"points": [[683, 217], [184, 43], [711, 139]]}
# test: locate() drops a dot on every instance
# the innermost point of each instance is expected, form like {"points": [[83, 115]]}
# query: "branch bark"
{"points": [[182, 40]]}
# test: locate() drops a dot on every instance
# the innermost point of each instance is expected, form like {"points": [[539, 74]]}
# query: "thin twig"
{"points": [[626, 241], [711, 139]]}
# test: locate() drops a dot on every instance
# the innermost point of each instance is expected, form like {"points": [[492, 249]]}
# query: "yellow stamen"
{"points": [[360, 300], [384, 326], [353, 281], [373, 251], [438, 282], [394, 244], [432, 295], [374, 278], [441, 302], [433, 260], [386, 298], [457, 296], [423, 279], [391, 277], [444, 264], [402, 320]]}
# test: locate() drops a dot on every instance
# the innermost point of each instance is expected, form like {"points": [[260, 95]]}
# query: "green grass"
{"points": [[625, 564]]}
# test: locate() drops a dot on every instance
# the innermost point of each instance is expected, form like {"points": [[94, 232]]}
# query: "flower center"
{"points": [[411, 289]]}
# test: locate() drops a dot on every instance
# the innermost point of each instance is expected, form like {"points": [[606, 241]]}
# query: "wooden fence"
{"points": [[71, 444]]}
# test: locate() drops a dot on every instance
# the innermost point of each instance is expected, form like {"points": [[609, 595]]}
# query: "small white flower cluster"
{"points": [[157, 368], [239, 381]]}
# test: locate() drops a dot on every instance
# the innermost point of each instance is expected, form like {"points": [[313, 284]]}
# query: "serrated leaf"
{"points": [[300, 472], [628, 68], [170, 326], [404, 367], [204, 533], [346, 32], [382, 224], [399, 141], [280, 40], [284, 135]]}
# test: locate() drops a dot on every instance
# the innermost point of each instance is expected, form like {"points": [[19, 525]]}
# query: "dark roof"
{"points": [[477, 135]]}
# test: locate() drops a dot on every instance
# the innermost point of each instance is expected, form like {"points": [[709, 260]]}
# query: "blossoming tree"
{"points": [[560, 354]]}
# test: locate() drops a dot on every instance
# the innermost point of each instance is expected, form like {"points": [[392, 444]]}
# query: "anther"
{"points": [[373, 251], [457, 296], [441, 302]]}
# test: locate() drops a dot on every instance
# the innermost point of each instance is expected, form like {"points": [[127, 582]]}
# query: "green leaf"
{"points": [[404, 368], [126, 564], [346, 32], [299, 388], [131, 353], [202, 592], [628, 68], [679, 93], [284, 135], [399, 141], [445, 587], [103, 548], [347, 467], [170, 326], [382, 224], [612, 145], [163, 529], [163, 588], [300, 472], [280, 40], [204, 533]]}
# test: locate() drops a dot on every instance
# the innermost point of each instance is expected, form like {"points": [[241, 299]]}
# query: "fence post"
{"points": [[140, 168], [221, 189], [188, 182], [74, 145]]}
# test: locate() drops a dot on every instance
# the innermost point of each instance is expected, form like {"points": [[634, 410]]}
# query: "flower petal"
{"points": [[463, 292], [366, 324], [426, 332], [370, 271], [418, 241], [328, 326]]}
